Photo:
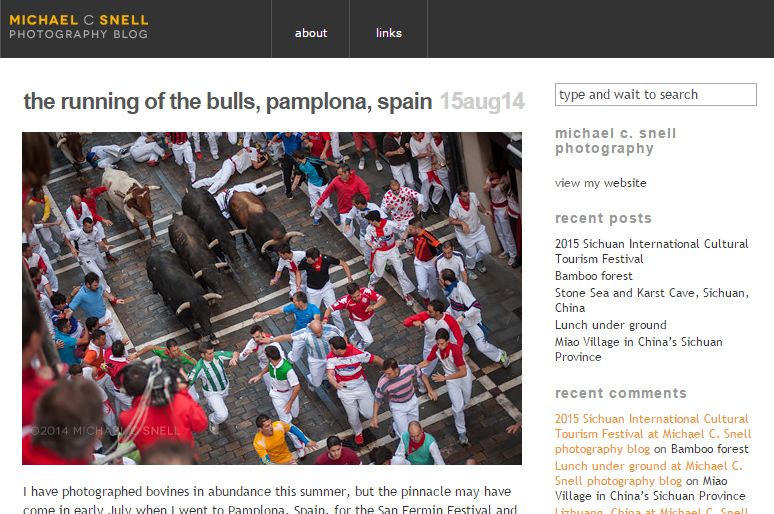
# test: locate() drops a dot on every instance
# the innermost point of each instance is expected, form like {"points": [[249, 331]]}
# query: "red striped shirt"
{"points": [[177, 138]]}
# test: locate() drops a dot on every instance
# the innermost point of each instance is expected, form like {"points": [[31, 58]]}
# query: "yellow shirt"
{"points": [[274, 446]]}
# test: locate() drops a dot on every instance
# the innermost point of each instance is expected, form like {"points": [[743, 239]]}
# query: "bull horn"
{"points": [[59, 143], [154, 188], [213, 244], [212, 296], [291, 235], [198, 274], [237, 232], [221, 265], [183, 306], [268, 244]]}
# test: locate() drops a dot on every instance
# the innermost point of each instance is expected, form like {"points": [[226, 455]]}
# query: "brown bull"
{"points": [[130, 197], [71, 144], [264, 228]]}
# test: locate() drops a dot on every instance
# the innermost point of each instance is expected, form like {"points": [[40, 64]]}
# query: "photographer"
{"points": [[161, 408]]}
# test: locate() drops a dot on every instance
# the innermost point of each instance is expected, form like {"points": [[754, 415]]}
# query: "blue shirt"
{"points": [[73, 322], [291, 143], [66, 354], [309, 168], [91, 302], [302, 316]]}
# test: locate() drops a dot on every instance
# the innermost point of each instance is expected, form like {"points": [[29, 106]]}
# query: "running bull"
{"points": [[129, 196], [263, 227], [191, 245], [171, 279], [71, 144], [203, 208]]}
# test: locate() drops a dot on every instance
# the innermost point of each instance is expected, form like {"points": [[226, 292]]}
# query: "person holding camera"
{"points": [[167, 411]]}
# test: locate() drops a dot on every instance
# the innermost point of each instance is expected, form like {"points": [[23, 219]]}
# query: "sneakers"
{"points": [[215, 157], [516, 262], [369, 273], [503, 255], [480, 267], [424, 215], [337, 221], [152, 163], [464, 439], [421, 389], [359, 439], [472, 275], [511, 261], [111, 258], [199, 155], [239, 141], [505, 360], [326, 384], [315, 223], [379, 166], [214, 429], [289, 194], [361, 164], [167, 156], [409, 300], [301, 452], [124, 151], [434, 207], [465, 349]]}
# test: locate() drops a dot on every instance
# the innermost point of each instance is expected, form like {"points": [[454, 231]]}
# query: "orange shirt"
{"points": [[97, 359]]}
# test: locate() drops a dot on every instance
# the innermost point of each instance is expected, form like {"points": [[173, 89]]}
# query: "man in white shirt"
{"points": [[89, 238], [471, 233], [423, 153], [243, 159], [146, 149], [289, 259], [356, 218], [384, 237]]}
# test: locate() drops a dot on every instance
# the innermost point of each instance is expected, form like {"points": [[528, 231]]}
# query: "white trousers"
{"points": [[217, 401], [279, 400], [367, 251], [212, 139], [95, 264], [428, 370], [357, 401], [50, 273], [476, 245], [362, 336], [184, 153], [109, 417], [147, 152], [111, 329], [403, 174], [314, 194], [379, 261], [51, 235], [335, 147], [193, 394], [503, 230], [443, 176], [219, 179], [459, 390], [292, 282], [123, 400], [327, 295], [47, 309], [426, 282], [476, 331], [403, 414], [427, 185], [317, 371]]}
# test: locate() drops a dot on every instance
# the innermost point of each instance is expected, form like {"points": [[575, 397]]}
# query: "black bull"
{"points": [[264, 228], [171, 279], [190, 243], [199, 205]]}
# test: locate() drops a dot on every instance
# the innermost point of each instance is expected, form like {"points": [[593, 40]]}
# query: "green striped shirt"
{"points": [[212, 373]]}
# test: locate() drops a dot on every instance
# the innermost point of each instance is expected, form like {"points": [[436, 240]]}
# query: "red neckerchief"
{"points": [[415, 446], [447, 351], [464, 205], [438, 140], [396, 135], [77, 212], [38, 201], [318, 265], [380, 228]]}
